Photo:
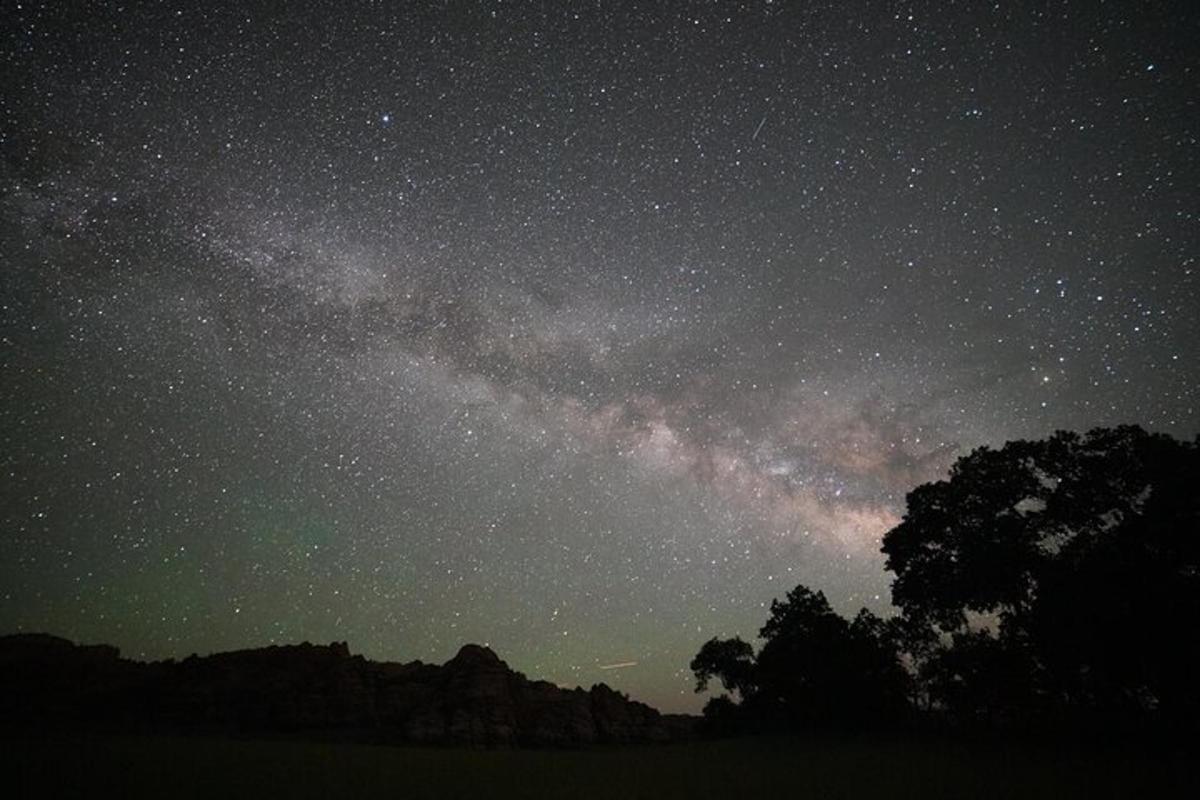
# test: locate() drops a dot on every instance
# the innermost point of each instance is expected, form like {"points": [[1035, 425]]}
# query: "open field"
{"points": [[202, 767]]}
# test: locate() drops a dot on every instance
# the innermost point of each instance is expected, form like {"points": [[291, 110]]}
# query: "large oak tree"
{"points": [[1078, 556]]}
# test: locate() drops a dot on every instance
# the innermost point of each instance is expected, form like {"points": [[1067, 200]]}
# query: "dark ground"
{"points": [[747, 768]]}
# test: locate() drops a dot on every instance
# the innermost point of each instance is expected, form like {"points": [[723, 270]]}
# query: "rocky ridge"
{"points": [[323, 690]]}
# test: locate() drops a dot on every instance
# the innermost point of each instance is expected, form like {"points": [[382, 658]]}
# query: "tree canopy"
{"points": [[729, 660], [1053, 577], [1077, 555], [815, 668]]}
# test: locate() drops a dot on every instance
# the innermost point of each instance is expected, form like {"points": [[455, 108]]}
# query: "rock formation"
{"points": [[473, 699]]}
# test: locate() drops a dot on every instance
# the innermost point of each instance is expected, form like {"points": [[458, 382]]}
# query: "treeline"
{"points": [[1051, 582]]}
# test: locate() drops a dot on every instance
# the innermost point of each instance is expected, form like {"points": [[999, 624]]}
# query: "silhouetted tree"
{"points": [[801, 664], [722, 717], [820, 670], [1062, 573], [815, 669], [983, 679], [729, 660], [886, 689]]}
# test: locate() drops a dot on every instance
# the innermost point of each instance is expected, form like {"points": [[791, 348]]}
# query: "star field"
{"points": [[580, 330]]}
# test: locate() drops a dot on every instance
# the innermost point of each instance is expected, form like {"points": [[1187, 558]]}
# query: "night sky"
{"points": [[578, 330]]}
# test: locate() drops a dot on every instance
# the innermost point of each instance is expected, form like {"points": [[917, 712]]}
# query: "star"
{"points": [[610, 364]]}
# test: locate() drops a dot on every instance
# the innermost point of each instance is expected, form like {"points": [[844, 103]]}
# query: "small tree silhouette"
{"points": [[815, 669], [729, 660]]}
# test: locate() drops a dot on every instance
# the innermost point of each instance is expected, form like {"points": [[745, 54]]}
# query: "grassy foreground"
{"points": [[200, 767]]}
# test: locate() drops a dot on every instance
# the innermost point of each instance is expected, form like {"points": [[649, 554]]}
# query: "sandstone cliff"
{"points": [[474, 698]]}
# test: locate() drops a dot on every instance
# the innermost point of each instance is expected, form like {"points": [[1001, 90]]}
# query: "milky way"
{"points": [[578, 330]]}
